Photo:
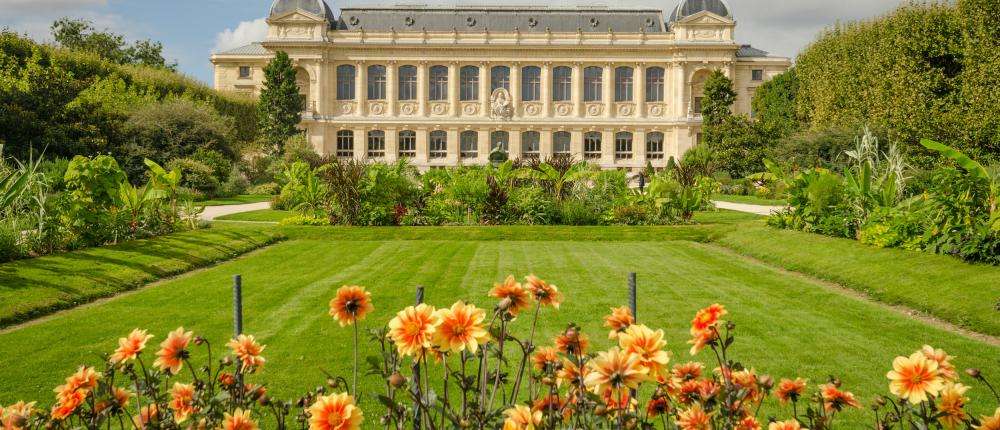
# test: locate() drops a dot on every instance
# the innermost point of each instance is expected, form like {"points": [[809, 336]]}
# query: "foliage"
{"points": [[719, 96], [774, 106], [180, 129], [79, 35], [311, 220], [197, 176], [280, 107], [821, 148]]}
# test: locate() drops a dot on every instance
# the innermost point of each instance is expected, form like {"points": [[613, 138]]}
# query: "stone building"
{"points": [[444, 86]]}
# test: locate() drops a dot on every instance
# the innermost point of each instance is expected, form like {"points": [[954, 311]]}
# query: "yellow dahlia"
{"points": [[648, 344], [335, 412], [546, 293], [461, 327], [352, 304], [173, 351], [412, 330], [130, 346], [521, 417], [915, 378], [615, 369]]}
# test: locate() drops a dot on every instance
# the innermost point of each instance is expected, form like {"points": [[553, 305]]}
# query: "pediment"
{"points": [[705, 18], [297, 16]]}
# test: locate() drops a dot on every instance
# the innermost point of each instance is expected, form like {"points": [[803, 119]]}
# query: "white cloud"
{"points": [[245, 33]]}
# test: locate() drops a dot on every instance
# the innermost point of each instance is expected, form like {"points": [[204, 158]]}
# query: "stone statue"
{"points": [[500, 105]]}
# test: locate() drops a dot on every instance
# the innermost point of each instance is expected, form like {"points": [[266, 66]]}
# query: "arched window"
{"points": [[531, 83], [500, 139], [345, 144], [530, 144], [623, 84], [376, 82], [376, 144], [439, 83], [654, 145], [623, 145], [592, 145], [562, 84], [469, 83], [345, 82], [302, 81], [407, 144], [654, 84], [470, 144], [439, 144], [408, 83], [499, 78], [593, 84], [561, 142]]}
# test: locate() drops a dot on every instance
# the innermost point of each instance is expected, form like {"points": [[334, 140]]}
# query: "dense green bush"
{"points": [[198, 177]]}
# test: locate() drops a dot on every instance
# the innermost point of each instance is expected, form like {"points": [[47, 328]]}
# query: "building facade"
{"points": [[445, 86]]}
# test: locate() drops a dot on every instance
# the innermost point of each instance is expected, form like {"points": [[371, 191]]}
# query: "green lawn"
{"points": [[29, 288], [787, 326], [263, 215], [236, 200], [942, 286], [752, 200]]}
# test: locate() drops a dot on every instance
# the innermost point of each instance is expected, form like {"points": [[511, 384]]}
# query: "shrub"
{"points": [[197, 176], [531, 205], [269, 188], [221, 166], [305, 220], [577, 212], [10, 241]]}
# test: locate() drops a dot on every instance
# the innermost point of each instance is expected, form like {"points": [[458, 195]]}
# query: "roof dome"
{"points": [[315, 7], [691, 7]]}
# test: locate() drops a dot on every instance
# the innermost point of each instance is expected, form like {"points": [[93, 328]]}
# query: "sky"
{"points": [[191, 30]]}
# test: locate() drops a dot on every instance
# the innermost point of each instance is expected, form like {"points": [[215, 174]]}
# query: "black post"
{"points": [[417, 421], [237, 305], [632, 295]]}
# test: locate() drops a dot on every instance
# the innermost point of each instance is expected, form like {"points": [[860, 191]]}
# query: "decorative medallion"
{"points": [[346, 108], [594, 22], [532, 22], [532, 109], [626, 110], [470, 21], [439, 108], [408, 108], [355, 21], [656, 110], [500, 105], [471, 108], [377, 108], [410, 21], [594, 110], [563, 109]]}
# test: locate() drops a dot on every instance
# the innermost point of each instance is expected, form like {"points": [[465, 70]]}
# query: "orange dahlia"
{"points": [[412, 330], [687, 371], [173, 351], [512, 295], [147, 414], [951, 405], [247, 351], [570, 374], [615, 369], [546, 293], [790, 390], [702, 339], [552, 404], [648, 345], [785, 425], [461, 327], [836, 400], [14, 416], [352, 304], [989, 422], [914, 378], [182, 401], [707, 318], [521, 417], [239, 420], [545, 359], [748, 423], [72, 394], [572, 342], [335, 412], [130, 346], [945, 368], [122, 397], [619, 320], [658, 406], [694, 419]]}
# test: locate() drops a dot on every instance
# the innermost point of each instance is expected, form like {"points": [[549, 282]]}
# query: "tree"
{"points": [[718, 99], [280, 109], [171, 130], [981, 59], [80, 35], [774, 105]]}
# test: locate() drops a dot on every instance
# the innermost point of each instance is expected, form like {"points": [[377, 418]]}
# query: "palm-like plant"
{"points": [[990, 175], [135, 200], [167, 182], [556, 178]]}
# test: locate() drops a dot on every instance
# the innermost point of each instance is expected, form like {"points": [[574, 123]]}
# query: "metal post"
{"points": [[417, 421], [632, 295], [237, 305]]}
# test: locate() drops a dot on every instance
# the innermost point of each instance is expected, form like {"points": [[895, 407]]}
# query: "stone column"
{"points": [[360, 143], [680, 88], [454, 146], [515, 142], [639, 148], [452, 93], [578, 90], [484, 93], [607, 147], [391, 145], [361, 88], [391, 92], [545, 144], [576, 144], [515, 88], [422, 93], [547, 89], [483, 146], [423, 147], [640, 90], [608, 95]]}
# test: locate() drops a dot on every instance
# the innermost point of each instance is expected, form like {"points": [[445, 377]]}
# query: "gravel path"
{"points": [[213, 212], [754, 209]]}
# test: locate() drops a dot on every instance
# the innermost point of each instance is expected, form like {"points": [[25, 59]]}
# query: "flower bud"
{"points": [[973, 373], [198, 340], [264, 400], [505, 304], [766, 381], [332, 383], [397, 380], [880, 401]]}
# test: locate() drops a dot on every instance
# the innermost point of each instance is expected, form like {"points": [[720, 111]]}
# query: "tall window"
{"points": [[345, 82], [408, 83], [499, 139], [654, 84], [593, 84], [439, 83], [654, 145], [376, 144], [499, 78], [439, 144], [530, 144], [244, 72], [562, 84], [623, 145], [757, 74], [407, 144], [697, 106], [561, 142], [345, 143], [592, 145], [470, 144], [469, 83], [531, 83], [376, 82], [623, 84]]}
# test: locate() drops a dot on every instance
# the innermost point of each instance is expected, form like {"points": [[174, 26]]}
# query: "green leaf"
{"points": [[970, 165]]}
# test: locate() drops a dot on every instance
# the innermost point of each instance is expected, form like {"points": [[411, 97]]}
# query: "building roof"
{"points": [[747, 51], [251, 49], [691, 7], [478, 19], [315, 7]]}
